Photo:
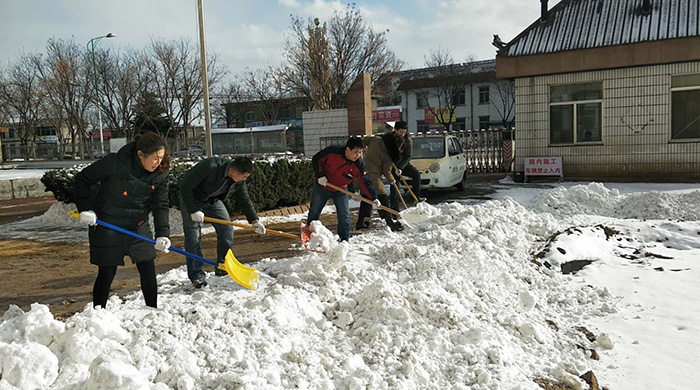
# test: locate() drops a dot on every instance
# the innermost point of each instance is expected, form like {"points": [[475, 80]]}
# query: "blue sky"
{"points": [[251, 33]]}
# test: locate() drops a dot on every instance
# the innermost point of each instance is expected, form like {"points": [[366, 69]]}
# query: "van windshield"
{"points": [[428, 147]]}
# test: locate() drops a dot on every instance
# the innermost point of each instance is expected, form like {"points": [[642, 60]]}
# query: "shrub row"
{"points": [[273, 184]]}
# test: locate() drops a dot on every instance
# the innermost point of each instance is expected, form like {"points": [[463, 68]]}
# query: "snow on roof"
{"points": [[585, 24], [250, 129]]}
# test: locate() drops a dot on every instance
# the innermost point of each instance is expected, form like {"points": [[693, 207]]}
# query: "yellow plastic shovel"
{"points": [[241, 274]]}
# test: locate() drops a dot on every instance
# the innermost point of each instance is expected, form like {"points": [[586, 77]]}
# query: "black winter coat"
{"points": [[208, 181], [128, 194]]}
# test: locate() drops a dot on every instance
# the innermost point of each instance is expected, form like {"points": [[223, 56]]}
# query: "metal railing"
{"points": [[484, 148]]}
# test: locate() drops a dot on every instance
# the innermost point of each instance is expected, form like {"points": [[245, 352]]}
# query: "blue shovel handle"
{"points": [[152, 241]]}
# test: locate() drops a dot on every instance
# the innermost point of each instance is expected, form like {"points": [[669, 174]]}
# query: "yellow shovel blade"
{"points": [[245, 276]]}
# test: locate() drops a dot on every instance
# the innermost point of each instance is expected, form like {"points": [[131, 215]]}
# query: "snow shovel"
{"points": [[305, 237], [398, 192], [406, 184], [249, 227], [358, 197], [245, 276]]}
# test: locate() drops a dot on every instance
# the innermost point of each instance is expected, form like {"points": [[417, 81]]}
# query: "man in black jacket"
{"points": [[202, 192]]}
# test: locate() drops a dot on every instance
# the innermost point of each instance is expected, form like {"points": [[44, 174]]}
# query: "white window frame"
{"points": [[419, 96], [670, 111], [575, 103], [485, 89]]}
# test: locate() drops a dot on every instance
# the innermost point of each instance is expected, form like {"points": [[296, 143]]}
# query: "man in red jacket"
{"points": [[339, 165]]}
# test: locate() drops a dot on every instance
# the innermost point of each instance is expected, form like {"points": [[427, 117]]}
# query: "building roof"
{"points": [[585, 24], [258, 129], [468, 72]]}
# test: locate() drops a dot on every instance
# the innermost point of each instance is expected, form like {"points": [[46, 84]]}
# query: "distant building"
{"points": [[612, 87], [251, 140], [477, 97]]}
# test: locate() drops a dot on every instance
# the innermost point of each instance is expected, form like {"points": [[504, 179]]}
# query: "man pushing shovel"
{"points": [[339, 166], [202, 192]]}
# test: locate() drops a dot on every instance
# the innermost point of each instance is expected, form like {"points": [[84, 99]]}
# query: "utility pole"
{"points": [[205, 82]]}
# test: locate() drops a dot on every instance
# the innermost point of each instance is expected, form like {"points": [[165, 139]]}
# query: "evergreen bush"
{"points": [[272, 184]]}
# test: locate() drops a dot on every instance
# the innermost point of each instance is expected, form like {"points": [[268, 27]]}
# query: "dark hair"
{"points": [[149, 143], [242, 165], [354, 143], [400, 125]]}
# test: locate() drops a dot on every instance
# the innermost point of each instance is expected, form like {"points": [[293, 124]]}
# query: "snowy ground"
{"points": [[468, 297], [12, 174]]}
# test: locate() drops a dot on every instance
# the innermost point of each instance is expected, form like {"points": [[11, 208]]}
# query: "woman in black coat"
{"points": [[133, 183]]}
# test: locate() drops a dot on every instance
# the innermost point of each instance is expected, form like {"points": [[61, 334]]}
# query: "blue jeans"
{"points": [[319, 197], [193, 235]]}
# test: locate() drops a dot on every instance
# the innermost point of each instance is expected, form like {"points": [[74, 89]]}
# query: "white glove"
{"points": [[163, 244], [88, 217], [259, 227], [398, 171], [323, 181], [197, 217], [377, 203]]}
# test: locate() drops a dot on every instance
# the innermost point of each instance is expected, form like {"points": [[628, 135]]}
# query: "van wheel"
{"points": [[460, 186]]}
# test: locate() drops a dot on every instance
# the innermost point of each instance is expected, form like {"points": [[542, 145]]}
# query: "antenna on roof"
{"points": [[543, 16]]}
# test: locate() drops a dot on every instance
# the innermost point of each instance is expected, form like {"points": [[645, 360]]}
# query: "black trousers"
{"points": [[409, 171], [105, 276]]}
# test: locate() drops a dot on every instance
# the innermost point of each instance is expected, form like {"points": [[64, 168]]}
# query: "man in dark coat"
{"points": [[133, 183], [202, 192], [382, 152], [404, 166], [339, 165]]}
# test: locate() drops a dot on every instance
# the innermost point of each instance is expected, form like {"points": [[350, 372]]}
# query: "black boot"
{"points": [[396, 226], [361, 224]]}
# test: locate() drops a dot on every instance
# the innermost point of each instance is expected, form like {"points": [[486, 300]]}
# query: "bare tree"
{"points": [[19, 94], [265, 89], [353, 49], [232, 103], [122, 78], [448, 80], [177, 79], [66, 83], [506, 97]]}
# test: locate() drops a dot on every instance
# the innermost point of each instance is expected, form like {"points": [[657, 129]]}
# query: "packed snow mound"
{"points": [[596, 199], [452, 302]]}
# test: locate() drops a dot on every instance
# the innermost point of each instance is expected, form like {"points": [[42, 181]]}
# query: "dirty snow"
{"points": [[469, 297]]}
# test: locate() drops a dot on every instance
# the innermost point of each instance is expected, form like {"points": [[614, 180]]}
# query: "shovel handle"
{"points": [[404, 183], [147, 239], [358, 197], [398, 192], [240, 225]]}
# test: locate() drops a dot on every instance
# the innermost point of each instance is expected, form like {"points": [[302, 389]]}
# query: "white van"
{"points": [[440, 160]]}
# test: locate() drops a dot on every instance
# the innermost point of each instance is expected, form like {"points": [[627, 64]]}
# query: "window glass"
{"points": [[561, 124], [484, 95], [459, 97], [588, 117], [685, 114], [421, 126], [484, 122], [686, 80], [428, 147], [421, 101], [572, 92]]}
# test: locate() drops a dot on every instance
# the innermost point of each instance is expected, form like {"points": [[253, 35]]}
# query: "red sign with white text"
{"points": [[386, 115], [544, 166]]}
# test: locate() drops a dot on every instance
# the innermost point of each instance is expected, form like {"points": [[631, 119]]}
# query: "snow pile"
{"points": [[596, 199], [453, 302]]}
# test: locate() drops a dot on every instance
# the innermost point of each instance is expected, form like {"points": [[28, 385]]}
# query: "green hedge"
{"points": [[272, 185]]}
